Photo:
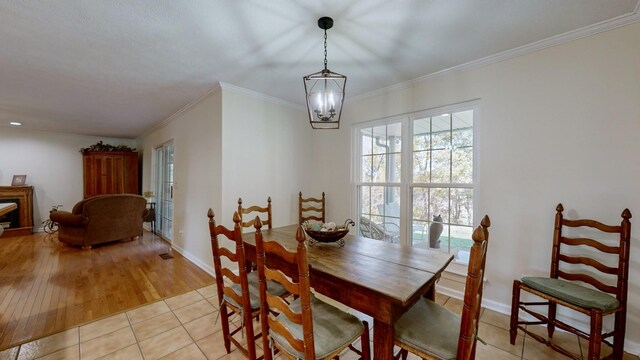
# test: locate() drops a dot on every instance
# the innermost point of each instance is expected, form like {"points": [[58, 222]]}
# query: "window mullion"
{"points": [[405, 180]]}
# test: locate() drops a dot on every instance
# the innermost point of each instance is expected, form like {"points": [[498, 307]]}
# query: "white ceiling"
{"points": [[118, 68]]}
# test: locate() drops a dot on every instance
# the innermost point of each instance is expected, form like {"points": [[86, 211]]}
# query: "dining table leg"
{"points": [[382, 340], [431, 293]]}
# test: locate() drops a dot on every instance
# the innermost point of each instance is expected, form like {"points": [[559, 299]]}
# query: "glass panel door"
{"points": [[164, 188]]}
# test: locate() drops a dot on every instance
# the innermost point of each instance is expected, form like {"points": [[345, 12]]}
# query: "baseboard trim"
{"points": [[194, 259], [630, 347]]}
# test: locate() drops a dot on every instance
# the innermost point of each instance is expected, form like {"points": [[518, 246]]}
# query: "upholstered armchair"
{"points": [[101, 219]]}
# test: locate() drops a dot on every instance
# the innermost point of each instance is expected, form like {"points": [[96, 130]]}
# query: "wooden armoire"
{"points": [[110, 172]]}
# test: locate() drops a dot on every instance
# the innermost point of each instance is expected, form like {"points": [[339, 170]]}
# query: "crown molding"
{"points": [[182, 110], [240, 90], [586, 31], [220, 87]]}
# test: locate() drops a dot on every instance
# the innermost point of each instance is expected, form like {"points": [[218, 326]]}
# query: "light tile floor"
{"points": [[187, 327]]}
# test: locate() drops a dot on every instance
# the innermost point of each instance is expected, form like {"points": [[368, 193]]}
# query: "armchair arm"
{"points": [[67, 219]]}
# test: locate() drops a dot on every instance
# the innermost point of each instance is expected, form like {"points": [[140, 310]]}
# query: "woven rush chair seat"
{"points": [[430, 327], [332, 327], [572, 293], [254, 290]]}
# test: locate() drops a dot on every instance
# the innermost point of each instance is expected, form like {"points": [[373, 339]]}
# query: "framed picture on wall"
{"points": [[19, 180]]}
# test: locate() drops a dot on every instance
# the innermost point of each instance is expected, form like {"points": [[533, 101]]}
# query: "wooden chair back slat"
{"points": [[473, 292], [254, 208], [279, 276], [228, 254], [228, 233], [314, 205], [273, 247], [232, 294], [590, 242], [593, 224], [588, 280], [311, 208], [282, 307], [590, 262], [229, 274], [283, 331]]}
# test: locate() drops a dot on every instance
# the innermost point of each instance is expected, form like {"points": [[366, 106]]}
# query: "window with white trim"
{"points": [[414, 178]]}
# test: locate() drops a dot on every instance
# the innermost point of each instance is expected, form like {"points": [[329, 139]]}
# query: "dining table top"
{"points": [[391, 270]]}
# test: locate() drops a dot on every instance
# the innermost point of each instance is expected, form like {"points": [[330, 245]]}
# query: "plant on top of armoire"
{"points": [[100, 146]]}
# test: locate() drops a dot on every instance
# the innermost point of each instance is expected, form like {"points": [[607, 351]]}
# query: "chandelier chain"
{"points": [[325, 49]]}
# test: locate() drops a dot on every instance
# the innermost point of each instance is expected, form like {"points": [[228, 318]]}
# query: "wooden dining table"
{"points": [[377, 278]]}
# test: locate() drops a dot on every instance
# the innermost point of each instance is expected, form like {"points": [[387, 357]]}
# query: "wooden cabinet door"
{"points": [[106, 175], [130, 174], [91, 176], [115, 174], [110, 173]]}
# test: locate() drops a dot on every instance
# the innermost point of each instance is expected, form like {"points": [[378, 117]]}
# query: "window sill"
{"points": [[457, 268]]}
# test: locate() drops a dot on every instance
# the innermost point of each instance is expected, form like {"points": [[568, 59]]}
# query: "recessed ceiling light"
{"points": [[15, 123]]}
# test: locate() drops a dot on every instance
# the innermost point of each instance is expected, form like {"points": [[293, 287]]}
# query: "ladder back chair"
{"points": [[306, 328], [237, 294], [311, 208], [431, 331], [264, 210], [587, 275]]}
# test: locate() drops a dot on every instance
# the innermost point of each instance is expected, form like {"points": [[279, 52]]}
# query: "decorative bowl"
{"points": [[327, 233]]}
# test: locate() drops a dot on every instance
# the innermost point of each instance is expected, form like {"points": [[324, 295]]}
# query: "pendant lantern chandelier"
{"points": [[325, 90]]}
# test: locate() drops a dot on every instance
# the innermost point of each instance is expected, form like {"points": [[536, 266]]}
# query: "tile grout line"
{"points": [[135, 336]]}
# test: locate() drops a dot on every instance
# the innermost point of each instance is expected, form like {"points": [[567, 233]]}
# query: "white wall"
{"points": [[267, 152], [195, 133], [231, 144], [557, 125], [53, 165]]}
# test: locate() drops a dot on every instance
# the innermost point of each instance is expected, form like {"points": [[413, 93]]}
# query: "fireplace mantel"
{"points": [[24, 195]]}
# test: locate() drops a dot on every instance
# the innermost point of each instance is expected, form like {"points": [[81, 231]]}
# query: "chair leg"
{"points": [[473, 350], [515, 307], [251, 340], [595, 340], [552, 318], [364, 342], [224, 317], [618, 337]]}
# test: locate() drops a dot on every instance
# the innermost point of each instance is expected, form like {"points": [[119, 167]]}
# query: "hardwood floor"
{"points": [[46, 286]]}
